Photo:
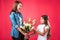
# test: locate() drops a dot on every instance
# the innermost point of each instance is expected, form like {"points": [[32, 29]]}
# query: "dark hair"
{"points": [[15, 5], [45, 17]]}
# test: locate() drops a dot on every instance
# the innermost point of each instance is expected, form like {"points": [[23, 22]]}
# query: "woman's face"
{"points": [[19, 6], [42, 20]]}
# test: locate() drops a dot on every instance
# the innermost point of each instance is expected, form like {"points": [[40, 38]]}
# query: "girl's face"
{"points": [[19, 6], [42, 20]]}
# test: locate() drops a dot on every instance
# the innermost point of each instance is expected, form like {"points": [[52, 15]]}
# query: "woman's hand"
{"points": [[26, 36]]}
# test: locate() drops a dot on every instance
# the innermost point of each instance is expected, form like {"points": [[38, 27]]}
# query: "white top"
{"points": [[20, 19], [41, 29]]}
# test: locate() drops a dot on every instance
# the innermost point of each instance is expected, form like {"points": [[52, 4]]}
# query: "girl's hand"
{"points": [[32, 29]]}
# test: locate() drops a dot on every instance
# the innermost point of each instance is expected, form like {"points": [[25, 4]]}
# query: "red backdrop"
{"points": [[32, 9]]}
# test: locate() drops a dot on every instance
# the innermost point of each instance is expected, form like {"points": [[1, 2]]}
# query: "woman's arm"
{"points": [[19, 29]]}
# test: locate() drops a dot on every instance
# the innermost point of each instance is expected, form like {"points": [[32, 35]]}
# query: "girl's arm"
{"points": [[42, 33], [32, 34]]}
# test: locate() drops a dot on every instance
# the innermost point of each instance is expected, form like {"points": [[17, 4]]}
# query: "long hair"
{"points": [[15, 5], [14, 9], [45, 17]]}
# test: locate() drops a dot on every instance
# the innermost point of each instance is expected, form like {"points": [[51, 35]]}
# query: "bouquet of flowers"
{"points": [[29, 26]]}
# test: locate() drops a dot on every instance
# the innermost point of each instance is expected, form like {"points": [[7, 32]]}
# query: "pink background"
{"points": [[33, 9]]}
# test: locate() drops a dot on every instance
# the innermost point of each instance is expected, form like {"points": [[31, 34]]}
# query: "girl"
{"points": [[17, 22], [43, 29]]}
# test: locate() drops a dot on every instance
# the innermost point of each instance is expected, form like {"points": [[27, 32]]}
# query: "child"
{"points": [[43, 29]]}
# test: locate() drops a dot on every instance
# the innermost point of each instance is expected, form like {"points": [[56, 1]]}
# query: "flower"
{"points": [[33, 22], [27, 27]]}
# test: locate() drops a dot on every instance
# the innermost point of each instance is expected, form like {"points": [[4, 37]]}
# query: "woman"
{"points": [[43, 29], [17, 22]]}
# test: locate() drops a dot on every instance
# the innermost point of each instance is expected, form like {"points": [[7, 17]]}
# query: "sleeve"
{"points": [[47, 27], [13, 21]]}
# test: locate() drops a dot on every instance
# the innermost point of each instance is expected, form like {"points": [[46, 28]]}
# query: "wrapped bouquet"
{"points": [[28, 26]]}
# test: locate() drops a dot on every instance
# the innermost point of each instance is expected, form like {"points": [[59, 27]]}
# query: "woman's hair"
{"points": [[45, 17], [15, 5]]}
